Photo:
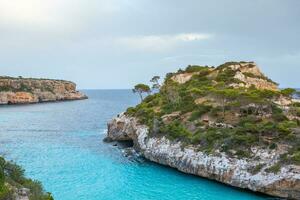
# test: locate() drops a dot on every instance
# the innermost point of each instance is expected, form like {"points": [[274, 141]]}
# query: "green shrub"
{"points": [[176, 130], [196, 138], [13, 175], [196, 68], [273, 146], [5, 89], [286, 126], [200, 110], [288, 92], [15, 172], [267, 127], [296, 158], [256, 169], [5, 193], [130, 111], [274, 169], [242, 154], [240, 138], [296, 104], [279, 117], [25, 88], [226, 76]]}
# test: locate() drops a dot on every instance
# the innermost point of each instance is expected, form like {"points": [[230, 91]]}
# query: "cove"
{"points": [[61, 145]]}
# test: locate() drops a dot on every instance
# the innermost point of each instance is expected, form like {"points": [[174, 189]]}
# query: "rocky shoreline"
{"points": [[29, 91], [245, 173]]}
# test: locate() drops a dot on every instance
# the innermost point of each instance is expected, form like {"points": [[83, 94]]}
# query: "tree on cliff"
{"points": [[155, 82], [140, 89], [289, 92], [225, 97]]}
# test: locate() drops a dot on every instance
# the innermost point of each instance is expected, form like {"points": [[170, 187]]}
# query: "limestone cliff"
{"points": [[248, 74], [231, 124], [28, 90], [242, 173]]}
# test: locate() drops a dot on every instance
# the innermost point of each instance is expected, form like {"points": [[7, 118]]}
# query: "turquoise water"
{"points": [[61, 145]]}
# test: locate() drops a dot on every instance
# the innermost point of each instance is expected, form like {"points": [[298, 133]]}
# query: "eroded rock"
{"points": [[221, 167]]}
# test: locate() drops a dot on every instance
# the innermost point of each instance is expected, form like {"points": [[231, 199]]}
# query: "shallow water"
{"points": [[61, 145]]}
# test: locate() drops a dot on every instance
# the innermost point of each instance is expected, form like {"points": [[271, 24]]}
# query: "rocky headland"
{"points": [[230, 124], [29, 90]]}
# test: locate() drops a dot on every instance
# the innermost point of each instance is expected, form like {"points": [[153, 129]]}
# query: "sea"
{"points": [[60, 144]]}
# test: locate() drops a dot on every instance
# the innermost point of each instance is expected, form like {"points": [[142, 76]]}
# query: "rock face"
{"points": [[25, 90], [256, 78], [22, 194], [183, 78], [243, 173], [248, 73]]}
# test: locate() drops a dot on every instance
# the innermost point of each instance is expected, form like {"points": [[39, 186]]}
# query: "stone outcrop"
{"points": [[27, 90], [22, 194], [183, 78], [247, 173], [248, 73]]}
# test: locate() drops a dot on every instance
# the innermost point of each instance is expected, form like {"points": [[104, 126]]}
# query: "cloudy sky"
{"points": [[117, 43]]}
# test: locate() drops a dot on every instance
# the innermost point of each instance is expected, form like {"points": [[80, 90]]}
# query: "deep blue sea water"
{"points": [[61, 145]]}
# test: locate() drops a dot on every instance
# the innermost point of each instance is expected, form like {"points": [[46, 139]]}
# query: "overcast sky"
{"points": [[117, 43]]}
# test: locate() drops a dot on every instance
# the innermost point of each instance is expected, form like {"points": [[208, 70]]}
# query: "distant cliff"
{"points": [[28, 90]]}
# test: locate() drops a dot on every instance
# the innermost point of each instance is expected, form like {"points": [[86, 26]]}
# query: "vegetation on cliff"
{"points": [[13, 182], [231, 108], [20, 84]]}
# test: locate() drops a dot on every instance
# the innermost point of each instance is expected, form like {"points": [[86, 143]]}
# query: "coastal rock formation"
{"points": [[247, 173], [231, 124], [248, 73], [28, 90]]}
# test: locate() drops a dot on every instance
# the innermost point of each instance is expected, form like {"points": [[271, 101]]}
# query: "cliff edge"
{"points": [[28, 90]]}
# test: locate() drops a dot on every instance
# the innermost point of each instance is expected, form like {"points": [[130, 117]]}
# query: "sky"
{"points": [[114, 44]]}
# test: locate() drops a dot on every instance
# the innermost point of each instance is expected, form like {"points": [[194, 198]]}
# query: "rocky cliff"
{"points": [[248, 74], [231, 124], [28, 90], [245, 173]]}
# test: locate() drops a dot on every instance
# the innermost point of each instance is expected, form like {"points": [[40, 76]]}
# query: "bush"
{"points": [[176, 130], [5, 193], [13, 175], [267, 127], [286, 126], [296, 158], [240, 138], [242, 154], [279, 117], [288, 92], [226, 76], [274, 169], [196, 68], [196, 138], [256, 169], [296, 104], [15, 172], [37, 191], [200, 110], [130, 111], [273, 146]]}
